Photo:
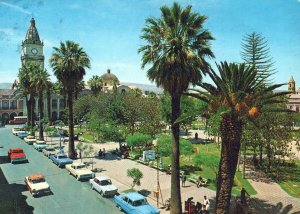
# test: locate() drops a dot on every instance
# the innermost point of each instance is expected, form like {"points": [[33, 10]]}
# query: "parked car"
{"points": [[103, 185], [16, 130], [60, 159], [40, 145], [16, 155], [80, 171], [22, 134], [30, 139], [134, 203], [37, 184], [50, 150]]}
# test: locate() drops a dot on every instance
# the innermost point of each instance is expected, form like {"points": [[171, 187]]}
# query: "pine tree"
{"points": [[255, 52]]}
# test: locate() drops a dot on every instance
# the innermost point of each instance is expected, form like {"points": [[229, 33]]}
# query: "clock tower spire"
{"points": [[32, 47]]}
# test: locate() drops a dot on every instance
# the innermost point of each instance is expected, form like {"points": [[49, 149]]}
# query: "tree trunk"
{"points": [[28, 106], [260, 153], [32, 118], [71, 125], [41, 115], [176, 207], [231, 131], [49, 105]]}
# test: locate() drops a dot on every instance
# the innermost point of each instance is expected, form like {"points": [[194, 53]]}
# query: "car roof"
{"points": [[134, 196], [102, 177], [78, 164], [36, 177]]}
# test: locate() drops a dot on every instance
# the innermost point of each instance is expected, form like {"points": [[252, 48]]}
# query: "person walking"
{"points": [[183, 180], [205, 205], [243, 196]]}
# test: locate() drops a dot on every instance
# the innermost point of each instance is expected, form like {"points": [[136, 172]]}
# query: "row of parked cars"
{"points": [[130, 203]]}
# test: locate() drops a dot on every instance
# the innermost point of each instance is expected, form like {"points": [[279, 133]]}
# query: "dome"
{"points": [[109, 77]]}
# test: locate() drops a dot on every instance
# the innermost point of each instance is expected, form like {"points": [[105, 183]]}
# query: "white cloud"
{"points": [[15, 7]]}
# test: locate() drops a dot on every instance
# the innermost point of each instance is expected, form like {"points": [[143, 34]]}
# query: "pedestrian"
{"points": [[205, 205], [243, 196], [297, 143], [100, 153], [199, 181], [183, 180]]}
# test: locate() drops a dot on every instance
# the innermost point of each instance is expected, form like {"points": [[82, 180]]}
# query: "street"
{"points": [[69, 195]]}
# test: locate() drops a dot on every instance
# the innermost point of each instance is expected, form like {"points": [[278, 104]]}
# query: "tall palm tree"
{"points": [[69, 62], [177, 47], [78, 88], [95, 83], [27, 90], [49, 91], [40, 80], [238, 93]]}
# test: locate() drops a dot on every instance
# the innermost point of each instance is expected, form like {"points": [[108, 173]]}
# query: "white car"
{"points": [[50, 150], [103, 185], [36, 184], [80, 171], [16, 130], [30, 139]]}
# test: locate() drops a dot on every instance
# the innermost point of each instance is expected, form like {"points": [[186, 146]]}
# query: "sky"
{"points": [[109, 31]]}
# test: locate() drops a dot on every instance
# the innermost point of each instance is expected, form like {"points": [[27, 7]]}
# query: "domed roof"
{"points": [[32, 35], [109, 77]]}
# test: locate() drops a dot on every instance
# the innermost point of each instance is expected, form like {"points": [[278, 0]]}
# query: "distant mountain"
{"points": [[5, 85]]}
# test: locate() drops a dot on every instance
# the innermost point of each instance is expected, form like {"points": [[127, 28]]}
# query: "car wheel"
{"points": [[77, 177], [69, 173], [92, 186], [119, 208]]}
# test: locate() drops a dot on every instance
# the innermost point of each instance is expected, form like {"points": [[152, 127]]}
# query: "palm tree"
{"points": [[39, 80], [238, 93], [69, 62], [78, 88], [26, 89], [95, 83], [176, 48]]}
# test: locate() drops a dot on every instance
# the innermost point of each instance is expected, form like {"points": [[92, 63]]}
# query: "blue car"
{"points": [[61, 159], [134, 203], [40, 145], [22, 134]]}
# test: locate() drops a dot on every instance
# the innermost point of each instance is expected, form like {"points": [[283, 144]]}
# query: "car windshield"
{"points": [[50, 149], [17, 151], [140, 202], [62, 156], [35, 181], [80, 166], [105, 182]]}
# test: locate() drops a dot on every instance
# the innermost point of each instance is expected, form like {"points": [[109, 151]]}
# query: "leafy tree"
{"points": [[136, 176], [138, 140], [164, 145], [83, 106], [95, 83], [39, 79], [256, 53], [69, 62], [176, 50], [238, 92]]}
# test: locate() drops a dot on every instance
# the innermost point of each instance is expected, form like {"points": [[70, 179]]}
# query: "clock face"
{"points": [[34, 51]]}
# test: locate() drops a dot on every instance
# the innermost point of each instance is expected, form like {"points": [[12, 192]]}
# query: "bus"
{"points": [[19, 120]]}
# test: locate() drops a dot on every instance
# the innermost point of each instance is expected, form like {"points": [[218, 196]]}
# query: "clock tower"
{"points": [[32, 47]]}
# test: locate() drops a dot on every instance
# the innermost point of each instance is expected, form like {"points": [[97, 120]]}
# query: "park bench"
{"points": [[153, 164], [143, 162], [194, 179]]}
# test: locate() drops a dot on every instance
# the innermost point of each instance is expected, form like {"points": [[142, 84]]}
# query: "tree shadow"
{"points": [[144, 192], [12, 200]]}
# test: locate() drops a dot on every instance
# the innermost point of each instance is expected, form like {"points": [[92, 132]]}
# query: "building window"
{"points": [[54, 103], [5, 104], [13, 104], [146, 92], [61, 104]]}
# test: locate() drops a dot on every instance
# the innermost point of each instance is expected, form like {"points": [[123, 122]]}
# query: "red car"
{"points": [[16, 155]]}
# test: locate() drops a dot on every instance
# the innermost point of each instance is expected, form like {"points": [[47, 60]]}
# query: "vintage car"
{"points": [[134, 203], [60, 159], [30, 139], [22, 134], [37, 185], [40, 145], [16, 155], [103, 185], [16, 130], [50, 150], [80, 171]]}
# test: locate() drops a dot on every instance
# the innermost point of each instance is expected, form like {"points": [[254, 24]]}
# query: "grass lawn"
{"points": [[209, 168]]}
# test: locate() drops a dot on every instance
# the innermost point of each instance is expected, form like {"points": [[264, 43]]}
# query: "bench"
{"points": [[194, 179]]}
